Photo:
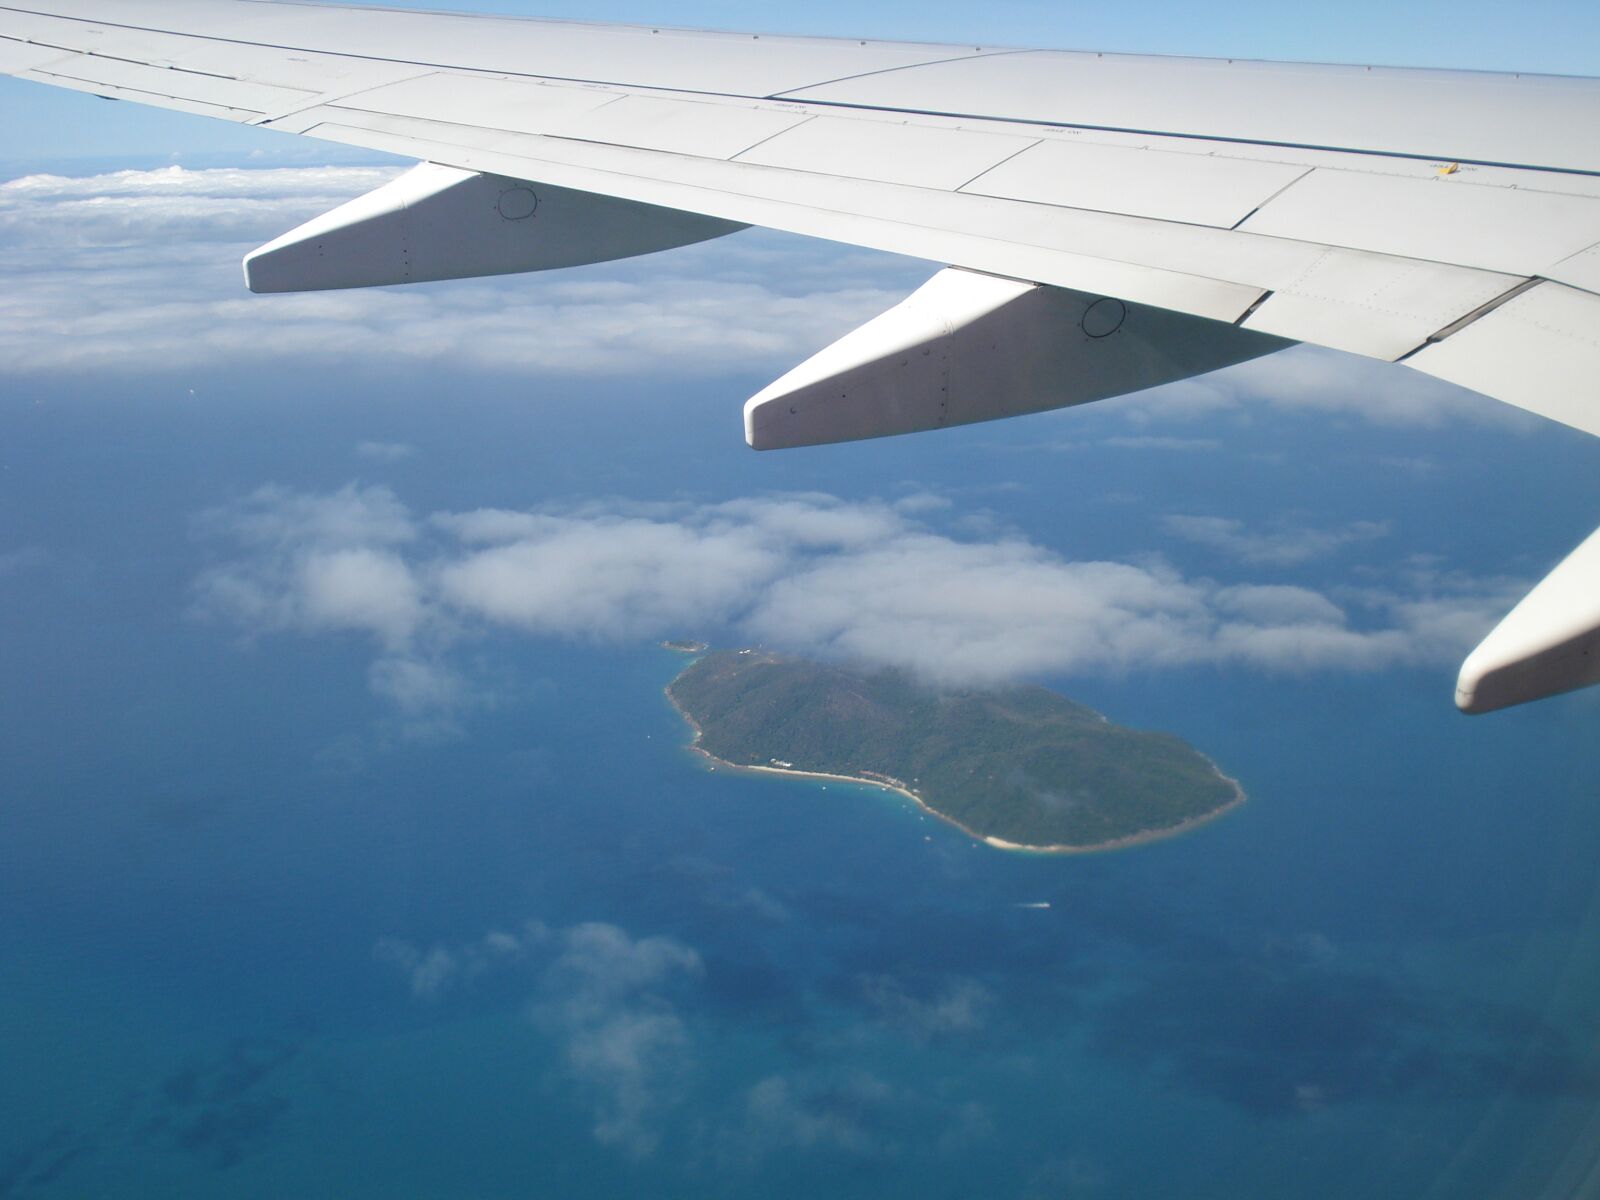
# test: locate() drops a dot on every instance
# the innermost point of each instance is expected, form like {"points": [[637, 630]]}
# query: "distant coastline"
{"points": [[1144, 837]]}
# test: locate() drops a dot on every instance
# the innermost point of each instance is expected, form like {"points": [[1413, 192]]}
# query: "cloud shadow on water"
{"points": [[1280, 1038], [44, 1161], [220, 1109]]}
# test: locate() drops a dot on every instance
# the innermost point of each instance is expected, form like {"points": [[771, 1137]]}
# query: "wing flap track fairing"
{"points": [[437, 222], [969, 347]]}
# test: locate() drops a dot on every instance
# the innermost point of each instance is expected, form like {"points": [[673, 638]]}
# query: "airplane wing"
{"points": [[1109, 222]]}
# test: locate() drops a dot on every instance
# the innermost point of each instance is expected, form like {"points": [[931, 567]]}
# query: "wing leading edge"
{"points": [[1449, 221]]}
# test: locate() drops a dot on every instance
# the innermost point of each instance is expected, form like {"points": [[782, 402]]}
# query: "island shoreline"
{"points": [[1142, 838]]}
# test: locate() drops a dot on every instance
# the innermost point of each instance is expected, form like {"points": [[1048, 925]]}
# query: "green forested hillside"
{"points": [[1019, 763]]}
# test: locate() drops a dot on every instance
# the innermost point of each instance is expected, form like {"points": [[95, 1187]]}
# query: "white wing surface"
{"points": [[1446, 220]]}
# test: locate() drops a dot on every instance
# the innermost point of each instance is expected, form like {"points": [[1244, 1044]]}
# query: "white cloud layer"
{"points": [[138, 271], [884, 584]]}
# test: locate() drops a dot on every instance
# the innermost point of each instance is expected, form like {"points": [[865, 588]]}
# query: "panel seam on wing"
{"points": [[977, 53], [1473, 317]]}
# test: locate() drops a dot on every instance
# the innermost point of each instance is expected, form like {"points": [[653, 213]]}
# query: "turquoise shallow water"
{"points": [[254, 942]]}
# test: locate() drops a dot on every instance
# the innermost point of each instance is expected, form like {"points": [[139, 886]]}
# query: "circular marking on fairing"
{"points": [[1104, 317], [518, 203]]}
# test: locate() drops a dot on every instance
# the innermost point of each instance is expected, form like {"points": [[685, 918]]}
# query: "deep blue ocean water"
{"points": [[222, 869]]}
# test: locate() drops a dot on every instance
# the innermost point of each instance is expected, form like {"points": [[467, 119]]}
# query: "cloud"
{"points": [[137, 271], [426, 691], [359, 588], [332, 563], [144, 209], [1281, 547], [1278, 605], [616, 1008], [959, 1006], [612, 576], [808, 573], [605, 998], [843, 1111], [600, 965], [281, 519], [846, 1111], [433, 972]]}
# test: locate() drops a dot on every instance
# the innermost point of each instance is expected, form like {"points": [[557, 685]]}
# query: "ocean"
{"points": [[258, 939]]}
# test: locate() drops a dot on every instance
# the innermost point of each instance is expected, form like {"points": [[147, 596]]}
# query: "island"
{"points": [[1018, 767]]}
